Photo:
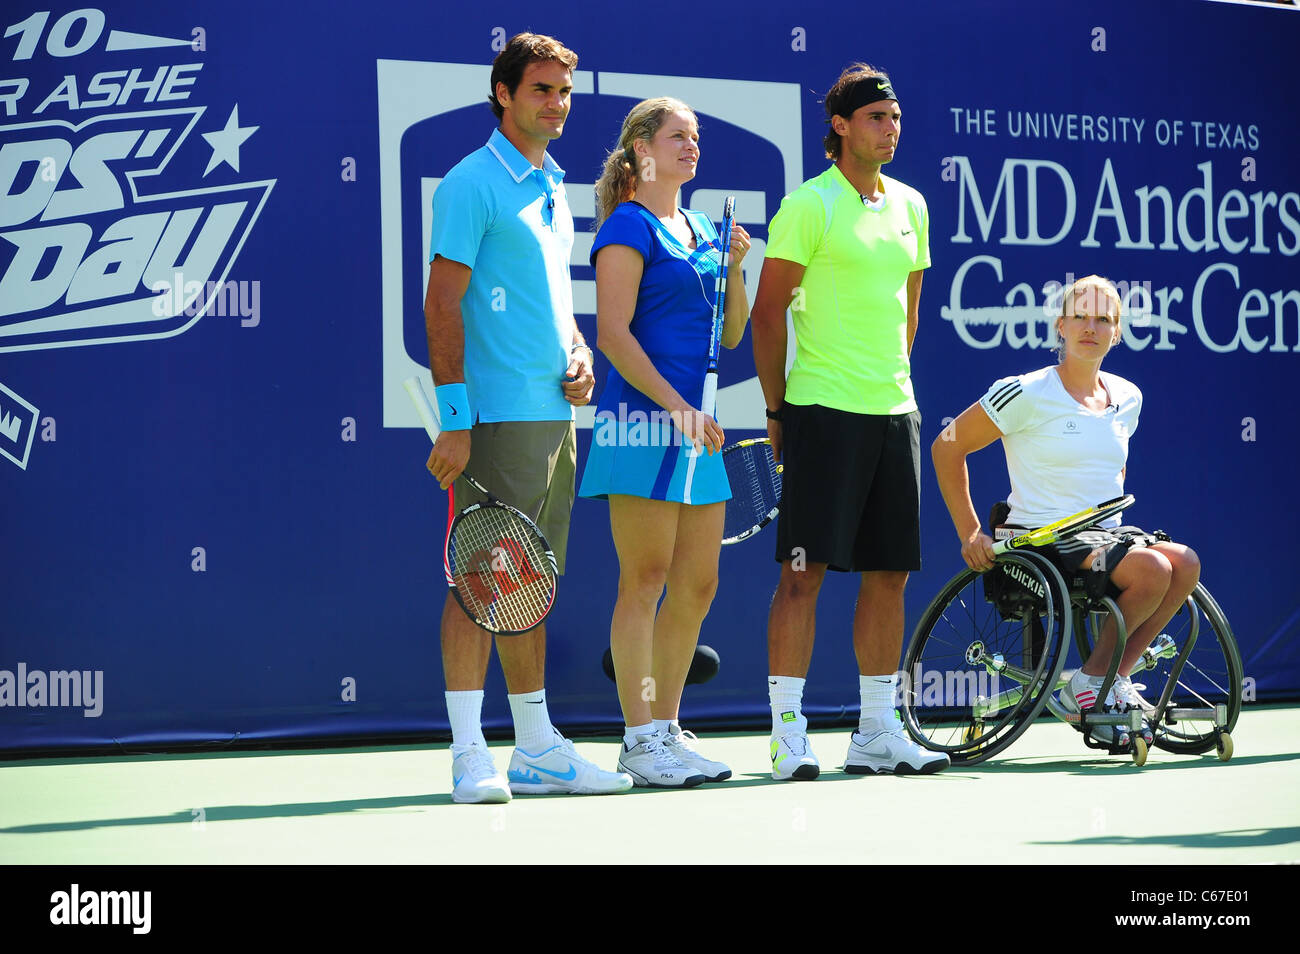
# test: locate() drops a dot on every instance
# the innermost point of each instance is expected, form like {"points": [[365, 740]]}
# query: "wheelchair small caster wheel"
{"points": [[1139, 751], [1224, 746]]}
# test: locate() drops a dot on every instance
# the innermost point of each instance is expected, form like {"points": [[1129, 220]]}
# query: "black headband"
{"points": [[870, 89]]}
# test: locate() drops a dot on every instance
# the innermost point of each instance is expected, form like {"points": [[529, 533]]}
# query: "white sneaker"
{"points": [[560, 769], [652, 764], [474, 776], [792, 758], [1127, 697], [891, 752], [1126, 694], [682, 745], [1085, 698]]}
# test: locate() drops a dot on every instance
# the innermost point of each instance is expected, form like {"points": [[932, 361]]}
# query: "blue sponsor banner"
{"points": [[215, 225]]}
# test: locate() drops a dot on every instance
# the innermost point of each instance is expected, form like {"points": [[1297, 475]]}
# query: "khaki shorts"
{"points": [[530, 465]]}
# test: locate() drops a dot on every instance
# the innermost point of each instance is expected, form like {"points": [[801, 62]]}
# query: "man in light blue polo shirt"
{"points": [[510, 365]]}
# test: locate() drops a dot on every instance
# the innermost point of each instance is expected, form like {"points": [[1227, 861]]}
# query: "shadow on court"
{"points": [[1091, 765], [1240, 838], [400, 803]]}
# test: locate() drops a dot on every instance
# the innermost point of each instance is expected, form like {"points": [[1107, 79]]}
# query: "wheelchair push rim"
{"points": [[985, 657]]}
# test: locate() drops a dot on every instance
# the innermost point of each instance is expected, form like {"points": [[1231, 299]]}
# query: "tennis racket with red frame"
{"points": [[502, 571]]}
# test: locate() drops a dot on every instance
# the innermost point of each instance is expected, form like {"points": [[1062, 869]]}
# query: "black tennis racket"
{"points": [[1066, 526], [502, 570], [755, 479]]}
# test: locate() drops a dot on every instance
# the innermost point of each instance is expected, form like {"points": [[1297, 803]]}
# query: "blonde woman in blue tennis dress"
{"points": [[654, 454]]}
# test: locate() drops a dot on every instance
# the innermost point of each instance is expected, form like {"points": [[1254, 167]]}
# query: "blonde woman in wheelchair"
{"points": [[1065, 431]]}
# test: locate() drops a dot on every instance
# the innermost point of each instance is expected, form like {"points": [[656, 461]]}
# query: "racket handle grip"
{"points": [[708, 404], [421, 401], [1000, 547]]}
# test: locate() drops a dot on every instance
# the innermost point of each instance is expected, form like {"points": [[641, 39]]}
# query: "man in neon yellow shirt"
{"points": [[845, 253]]}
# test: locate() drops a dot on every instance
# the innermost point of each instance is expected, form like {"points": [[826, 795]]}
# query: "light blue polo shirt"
{"points": [[510, 223]]}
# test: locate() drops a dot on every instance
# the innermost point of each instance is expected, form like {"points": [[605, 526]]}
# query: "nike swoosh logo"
{"points": [[907, 232], [456, 781], [454, 412], [562, 776], [881, 84], [532, 703]]}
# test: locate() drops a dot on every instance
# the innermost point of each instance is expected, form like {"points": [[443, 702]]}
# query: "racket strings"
{"points": [[501, 569], [755, 487]]}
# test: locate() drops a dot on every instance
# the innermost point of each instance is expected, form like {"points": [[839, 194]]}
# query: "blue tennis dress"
{"points": [[635, 449]]}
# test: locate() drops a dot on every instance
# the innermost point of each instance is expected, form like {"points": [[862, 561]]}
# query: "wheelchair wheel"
{"points": [[985, 656], [1210, 677]]}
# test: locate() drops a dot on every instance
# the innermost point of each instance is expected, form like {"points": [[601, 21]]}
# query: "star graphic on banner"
{"points": [[225, 144]]}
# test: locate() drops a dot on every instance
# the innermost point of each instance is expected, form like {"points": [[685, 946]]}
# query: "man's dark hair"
{"points": [[525, 48], [839, 96]]}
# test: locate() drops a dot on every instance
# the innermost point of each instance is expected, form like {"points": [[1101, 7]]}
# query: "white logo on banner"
{"points": [[83, 194], [102, 243], [18, 420], [411, 92], [1218, 309]]}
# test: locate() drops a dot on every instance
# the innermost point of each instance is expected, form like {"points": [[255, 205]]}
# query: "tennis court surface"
{"points": [[1047, 801]]}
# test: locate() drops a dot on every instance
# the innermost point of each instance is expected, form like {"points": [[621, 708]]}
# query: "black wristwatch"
{"points": [[773, 415]]}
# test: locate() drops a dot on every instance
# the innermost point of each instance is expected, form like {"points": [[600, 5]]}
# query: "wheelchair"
{"points": [[989, 652]]}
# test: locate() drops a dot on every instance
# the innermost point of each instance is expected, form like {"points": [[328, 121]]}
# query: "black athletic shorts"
{"points": [[1070, 555], [851, 489]]}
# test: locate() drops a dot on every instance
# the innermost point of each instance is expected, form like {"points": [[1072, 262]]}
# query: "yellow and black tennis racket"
{"points": [[1065, 527]]}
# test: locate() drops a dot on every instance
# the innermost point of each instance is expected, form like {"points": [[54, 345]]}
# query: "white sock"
{"points": [[785, 693], [878, 697], [465, 710], [630, 733], [533, 730]]}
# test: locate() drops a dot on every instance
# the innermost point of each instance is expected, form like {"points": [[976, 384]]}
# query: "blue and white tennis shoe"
{"points": [[560, 769], [474, 776]]}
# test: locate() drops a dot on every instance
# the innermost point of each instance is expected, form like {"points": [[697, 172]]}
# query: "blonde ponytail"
{"points": [[617, 182]]}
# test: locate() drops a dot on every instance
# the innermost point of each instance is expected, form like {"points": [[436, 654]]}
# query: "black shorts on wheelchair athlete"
{"points": [[1070, 554], [851, 489]]}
